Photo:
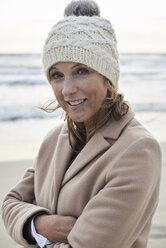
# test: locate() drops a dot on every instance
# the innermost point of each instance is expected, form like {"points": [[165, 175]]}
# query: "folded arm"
{"points": [[19, 209]]}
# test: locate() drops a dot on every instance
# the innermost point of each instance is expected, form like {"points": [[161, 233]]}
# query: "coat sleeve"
{"points": [[19, 206], [20, 203], [117, 215]]}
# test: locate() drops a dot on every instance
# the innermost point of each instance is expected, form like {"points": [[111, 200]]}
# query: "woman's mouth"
{"points": [[77, 102]]}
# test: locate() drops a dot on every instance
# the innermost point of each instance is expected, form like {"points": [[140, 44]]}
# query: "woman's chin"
{"points": [[78, 119]]}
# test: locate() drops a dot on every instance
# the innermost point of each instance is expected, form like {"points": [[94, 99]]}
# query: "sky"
{"points": [[140, 25]]}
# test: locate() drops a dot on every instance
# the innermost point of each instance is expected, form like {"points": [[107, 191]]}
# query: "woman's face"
{"points": [[79, 90]]}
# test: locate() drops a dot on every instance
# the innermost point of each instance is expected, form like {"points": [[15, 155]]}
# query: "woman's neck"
{"points": [[92, 124]]}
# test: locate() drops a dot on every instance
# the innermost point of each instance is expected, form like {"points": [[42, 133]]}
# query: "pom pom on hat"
{"points": [[86, 39], [82, 8]]}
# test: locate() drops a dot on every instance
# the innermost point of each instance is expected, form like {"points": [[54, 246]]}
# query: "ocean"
{"points": [[23, 86]]}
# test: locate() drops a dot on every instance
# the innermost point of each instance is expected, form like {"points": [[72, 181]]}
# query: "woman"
{"points": [[95, 182]]}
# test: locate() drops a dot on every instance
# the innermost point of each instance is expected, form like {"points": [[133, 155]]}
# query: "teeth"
{"points": [[76, 102]]}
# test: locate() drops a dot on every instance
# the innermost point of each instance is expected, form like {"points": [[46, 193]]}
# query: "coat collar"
{"points": [[99, 143], [113, 128]]}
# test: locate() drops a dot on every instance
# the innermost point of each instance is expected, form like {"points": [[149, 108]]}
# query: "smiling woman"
{"points": [[96, 179], [86, 97], [79, 90]]}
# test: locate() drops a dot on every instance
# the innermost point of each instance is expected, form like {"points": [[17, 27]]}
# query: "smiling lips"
{"points": [[75, 103]]}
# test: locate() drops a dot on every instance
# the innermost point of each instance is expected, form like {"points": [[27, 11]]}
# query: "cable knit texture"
{"points": [[87, 40]]}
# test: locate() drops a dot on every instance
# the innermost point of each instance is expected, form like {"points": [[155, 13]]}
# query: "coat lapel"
{"points": [[96, 145], [100, 142], [60, 162]]}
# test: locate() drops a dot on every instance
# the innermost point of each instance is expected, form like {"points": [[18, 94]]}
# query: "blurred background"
{"points": [[141, 32]]}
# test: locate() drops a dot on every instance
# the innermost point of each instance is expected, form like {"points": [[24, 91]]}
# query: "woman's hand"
{"points": [[55, 228]]}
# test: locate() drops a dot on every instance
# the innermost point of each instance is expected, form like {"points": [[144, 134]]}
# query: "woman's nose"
{"points": [[69, 87]]}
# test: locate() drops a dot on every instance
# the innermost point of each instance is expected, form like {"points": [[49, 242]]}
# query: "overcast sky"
{"points": [[140, 25]]}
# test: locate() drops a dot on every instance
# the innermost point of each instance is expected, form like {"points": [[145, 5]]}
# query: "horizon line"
{"points": [[120, 53]]}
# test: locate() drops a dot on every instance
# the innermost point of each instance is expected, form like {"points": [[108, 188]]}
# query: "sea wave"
{"points": [[23, 81], [13, 113], [24, 113], [142, 80], [149, 107]]}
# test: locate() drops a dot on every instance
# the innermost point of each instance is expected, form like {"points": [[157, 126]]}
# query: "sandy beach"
{"points": [[11, 173]]}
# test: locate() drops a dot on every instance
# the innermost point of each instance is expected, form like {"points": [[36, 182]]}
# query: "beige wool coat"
{"points": [[111, 187]]}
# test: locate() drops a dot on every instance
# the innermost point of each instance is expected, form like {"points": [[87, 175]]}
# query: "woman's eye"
{"points": [[56, 75], [82, 71]]}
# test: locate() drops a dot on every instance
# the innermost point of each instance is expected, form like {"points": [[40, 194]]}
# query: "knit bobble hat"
{"points": [[83, 38]]}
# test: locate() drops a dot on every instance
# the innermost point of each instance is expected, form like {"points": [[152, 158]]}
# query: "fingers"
{"points": [[55, 228]]}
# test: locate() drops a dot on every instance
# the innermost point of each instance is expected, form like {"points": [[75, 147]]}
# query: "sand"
{"points": [[11, 173]]}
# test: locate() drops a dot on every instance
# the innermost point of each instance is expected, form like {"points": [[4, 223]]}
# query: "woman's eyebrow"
{"points": [[55, 68], [78, 64]]}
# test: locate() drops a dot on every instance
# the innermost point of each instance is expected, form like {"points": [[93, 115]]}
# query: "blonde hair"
{"points": [[114, 107]]}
